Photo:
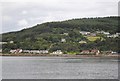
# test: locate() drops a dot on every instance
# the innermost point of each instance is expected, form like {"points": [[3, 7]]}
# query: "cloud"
{"points": [[22, 22], [48, 18], [6, 18], [24, 13]]}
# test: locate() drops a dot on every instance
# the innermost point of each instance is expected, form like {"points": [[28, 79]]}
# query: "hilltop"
{"points": [[66, 35]]}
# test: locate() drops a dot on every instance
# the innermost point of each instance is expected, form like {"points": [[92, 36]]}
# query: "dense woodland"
{"points": [[48, 35]]}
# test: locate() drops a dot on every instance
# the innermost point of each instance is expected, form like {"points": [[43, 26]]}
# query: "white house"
{"points": [[103, 32], [113, 35], [36, 51], [11, 42], [84, 32], [85, 52], [63, 40], [0, 50], [3, 42], [12, 51], [65, 34], [92, 34], [43, 51], [106, 33], [20, 50], [16, 51], [95, 51], [58, 52]]}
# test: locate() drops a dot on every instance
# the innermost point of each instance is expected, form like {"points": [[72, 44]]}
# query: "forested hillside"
{"points": [[65, 35]]}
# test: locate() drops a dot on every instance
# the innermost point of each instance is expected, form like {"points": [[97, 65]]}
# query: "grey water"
{"points": [[59, 68]]}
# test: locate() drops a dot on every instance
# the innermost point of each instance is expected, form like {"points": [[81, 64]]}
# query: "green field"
{"points": [[91, 38]]}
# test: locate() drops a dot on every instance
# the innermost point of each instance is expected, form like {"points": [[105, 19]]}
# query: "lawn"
{"points": [[91, 38]]}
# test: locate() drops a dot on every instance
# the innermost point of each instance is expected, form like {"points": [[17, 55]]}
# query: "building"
{"points": [[63, 40], [19, 50], [43, 51], [110, 36], [36, 51], [0, 50], [113, 35], [92, 34], [82, 42], [58, 52], [85, 52], [114, 52], [12, 51], [16, 51], [106, 33], [11, 42], [103, 32], [95, 51], [65, 34], [84, 32], [3, 42]]}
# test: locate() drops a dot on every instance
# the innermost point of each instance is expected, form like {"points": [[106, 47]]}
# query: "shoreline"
{"points": [[64, 55]]}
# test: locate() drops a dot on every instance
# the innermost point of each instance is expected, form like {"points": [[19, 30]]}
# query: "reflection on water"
{"points": [[59, 68]]}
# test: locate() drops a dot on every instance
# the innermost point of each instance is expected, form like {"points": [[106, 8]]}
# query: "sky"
{"points": [[21, 14]]}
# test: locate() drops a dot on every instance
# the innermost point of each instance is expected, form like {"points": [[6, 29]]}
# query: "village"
{"points": [[60, 52], [91, 52]]}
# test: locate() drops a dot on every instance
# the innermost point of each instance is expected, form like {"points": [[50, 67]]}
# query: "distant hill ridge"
{"points": [[82, 21]]}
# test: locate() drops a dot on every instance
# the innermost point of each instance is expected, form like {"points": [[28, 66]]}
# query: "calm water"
{"points": [[59, 68]]}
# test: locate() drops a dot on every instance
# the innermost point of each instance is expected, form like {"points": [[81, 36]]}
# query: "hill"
{"points": [[65, 35]]}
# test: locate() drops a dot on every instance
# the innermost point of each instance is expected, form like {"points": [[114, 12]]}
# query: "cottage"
{"points": [[113, 36], [85, 52], [106, 33], [92, 34], [84, 32], [63, 40], [19, 50], [36, 51], [95, 52], [16, 51], [110, 36], [65, 34], [118, 34], [43, 51], [58, 52], [3, 43], [103, 32], [11, 42], [12, 51], [114, 52], [26, 51]]}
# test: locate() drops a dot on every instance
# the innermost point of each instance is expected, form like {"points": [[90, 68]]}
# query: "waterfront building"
{"points": [[58, 52]]}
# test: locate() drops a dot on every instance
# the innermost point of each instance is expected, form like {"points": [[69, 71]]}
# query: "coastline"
{"points": [[64, 55]]}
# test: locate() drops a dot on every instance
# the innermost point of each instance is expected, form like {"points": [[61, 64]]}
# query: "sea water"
{"points": [[59, 68]]}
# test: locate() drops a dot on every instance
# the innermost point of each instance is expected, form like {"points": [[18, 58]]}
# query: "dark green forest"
{"points": [[48, 35]]}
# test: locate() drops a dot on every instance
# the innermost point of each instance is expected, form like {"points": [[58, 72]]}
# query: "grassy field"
{"points": [[91, 38]]}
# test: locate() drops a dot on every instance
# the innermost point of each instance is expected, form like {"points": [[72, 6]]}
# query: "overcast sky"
{"points": [[20, 14]]}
